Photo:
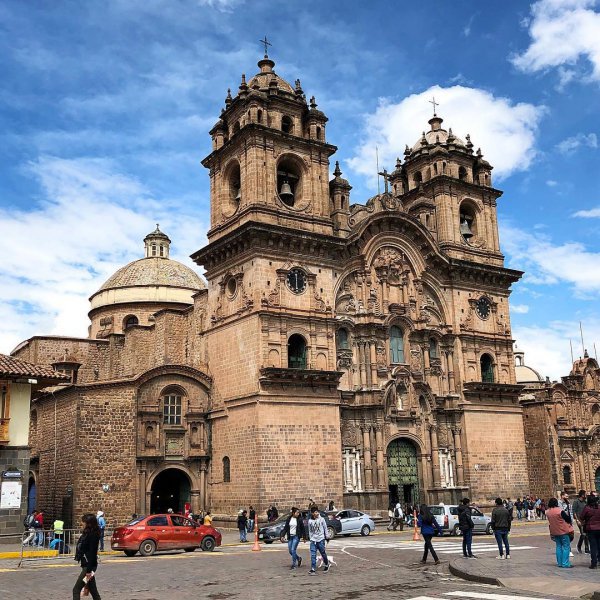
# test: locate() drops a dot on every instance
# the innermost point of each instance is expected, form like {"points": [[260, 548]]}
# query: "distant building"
{"points": [[562, 428], [17, 486]]}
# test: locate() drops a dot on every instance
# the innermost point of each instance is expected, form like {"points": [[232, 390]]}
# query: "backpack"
{"points": [[28, 521], [398, 513]]}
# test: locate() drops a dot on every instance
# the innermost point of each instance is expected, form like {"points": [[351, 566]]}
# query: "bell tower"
{"points": [[277, 232], [269, 159]]}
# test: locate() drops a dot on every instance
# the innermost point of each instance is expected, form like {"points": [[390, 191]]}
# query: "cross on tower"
{"points": [[265, 43], [434, 104]]}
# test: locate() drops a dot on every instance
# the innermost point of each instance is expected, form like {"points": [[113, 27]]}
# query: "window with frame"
{"points": [[226, 469], [172, 409], [567, 480], [396, 345], [487, 368]]}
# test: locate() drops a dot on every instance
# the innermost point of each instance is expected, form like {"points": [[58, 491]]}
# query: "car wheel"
{"points": [[208, 544], [456, 531], [190, 549], [283, 540], [489, 529], [147, 548], [330, 532], [130, 552], [365, 530]]}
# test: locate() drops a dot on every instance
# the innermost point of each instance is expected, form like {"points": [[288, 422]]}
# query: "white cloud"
{"points": [[547, 263], [504, 131], [569, 145], [90, 222], [551, 183], [593, 213], [521, 309], [547, 349], [562, 33]]}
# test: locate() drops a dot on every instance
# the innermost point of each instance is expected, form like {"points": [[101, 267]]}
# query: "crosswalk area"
{"points": [[477, 596], [441, 547]]}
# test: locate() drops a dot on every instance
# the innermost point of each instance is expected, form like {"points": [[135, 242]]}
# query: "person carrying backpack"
{"points": [[28, 523], [102, 524], [398, 517], [466, 526]]}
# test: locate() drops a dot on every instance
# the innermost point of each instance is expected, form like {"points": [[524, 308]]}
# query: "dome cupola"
{"points": [[157, 244]]}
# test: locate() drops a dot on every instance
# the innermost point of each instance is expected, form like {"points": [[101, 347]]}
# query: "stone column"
{"points": [[380, 461], [366, 430], [195, 501], [142, 510], [451, 382], [373, 351], [435, 457], [460, 473], [361, 364], [580, 458], [203, 498]]}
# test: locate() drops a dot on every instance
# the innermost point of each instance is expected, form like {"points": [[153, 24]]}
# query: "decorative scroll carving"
{"points": [[273, 298]]}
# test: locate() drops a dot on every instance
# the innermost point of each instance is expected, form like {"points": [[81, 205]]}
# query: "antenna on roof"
{"points": [[571, 344], [581, 332], [595, 352], [377, 163]]}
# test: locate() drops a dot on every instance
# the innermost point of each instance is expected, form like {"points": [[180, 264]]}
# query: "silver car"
{"points": [[354, 521], [447, 517]]}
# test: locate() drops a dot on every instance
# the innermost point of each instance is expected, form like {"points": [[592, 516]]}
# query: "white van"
{"points": [[447, 517]]}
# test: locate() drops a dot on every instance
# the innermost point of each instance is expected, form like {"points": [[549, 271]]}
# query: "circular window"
{"points": [[231, 287], [296, 280]]}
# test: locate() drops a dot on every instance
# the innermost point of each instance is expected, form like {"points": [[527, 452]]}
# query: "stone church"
{"points": [[355, 352]]}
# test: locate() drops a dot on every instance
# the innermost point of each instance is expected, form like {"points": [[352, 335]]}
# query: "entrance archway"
{"points": [[403, 472], [31, 495], [170, 489]]}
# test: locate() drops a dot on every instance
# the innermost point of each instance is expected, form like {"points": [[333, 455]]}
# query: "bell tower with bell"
{"points": [[276, 234]]}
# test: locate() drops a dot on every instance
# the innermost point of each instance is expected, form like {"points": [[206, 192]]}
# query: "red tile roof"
{"points": [[13, 367]]}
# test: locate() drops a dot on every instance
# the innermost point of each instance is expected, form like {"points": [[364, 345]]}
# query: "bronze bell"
{"points": [[286, 193], [238, 196], [465, 229]]}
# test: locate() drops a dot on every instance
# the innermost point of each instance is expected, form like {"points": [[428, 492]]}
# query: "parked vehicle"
{"points": [[447, 517], [354, 521], [147, 535], [271, 532]]}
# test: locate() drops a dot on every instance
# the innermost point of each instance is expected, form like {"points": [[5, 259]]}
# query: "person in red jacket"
{"points": [[590, 519]]}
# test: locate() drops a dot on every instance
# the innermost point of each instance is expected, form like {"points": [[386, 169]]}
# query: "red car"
{"points": [[164, 532]]}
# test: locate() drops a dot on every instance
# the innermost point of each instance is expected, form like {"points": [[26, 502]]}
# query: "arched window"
{"points": [[567, 479], [130, 321], [318, 133], [418, 178], [162, 250], [172, 409], [396, 345], [259, 116], [342, 339], [226, 469], [433, 349], [462, 173], [296, 352], [289, 181], [286, 124], [153, 249], [487, 368], [596, 414]]}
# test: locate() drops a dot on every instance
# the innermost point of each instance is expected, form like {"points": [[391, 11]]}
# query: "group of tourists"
{"points": [[530, 508]]}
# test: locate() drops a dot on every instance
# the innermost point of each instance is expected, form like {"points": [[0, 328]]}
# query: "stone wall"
{"points": [[13, 457]]}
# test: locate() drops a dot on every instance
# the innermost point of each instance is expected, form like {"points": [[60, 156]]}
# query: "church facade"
{"points": [[360, 353]]}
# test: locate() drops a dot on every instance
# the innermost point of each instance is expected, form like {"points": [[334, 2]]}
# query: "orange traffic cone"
{"points": [[256, 545], [416, 536]]}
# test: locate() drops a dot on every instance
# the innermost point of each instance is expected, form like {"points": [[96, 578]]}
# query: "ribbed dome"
{"points": [[154, 272], [526, 374], [437, 135], [267, 75]]}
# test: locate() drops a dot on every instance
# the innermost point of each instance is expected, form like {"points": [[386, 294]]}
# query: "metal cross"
{"points": [[432, 102], [266, 43]]}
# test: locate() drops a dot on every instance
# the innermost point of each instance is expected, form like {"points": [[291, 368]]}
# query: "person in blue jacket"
{"points": [[429, 527]]}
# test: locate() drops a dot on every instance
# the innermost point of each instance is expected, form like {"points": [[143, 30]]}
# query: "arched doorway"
{"points": [[597, 480], [170, 489], [31, 495], [403, 472]]}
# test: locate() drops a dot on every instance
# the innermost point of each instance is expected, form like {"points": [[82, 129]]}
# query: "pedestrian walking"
{"points": [[519, 507], [390, 517], [565, 505], [87, 555], [429, 527], [561, 530], [38, 525], [466, 526], [242, 523], [28, 522], [331, 506], [317, 533], [578, 505], [251, 518], [501, 523], [294, 531], [590, 520], [102, 525], [530, 509], [208, 518]]}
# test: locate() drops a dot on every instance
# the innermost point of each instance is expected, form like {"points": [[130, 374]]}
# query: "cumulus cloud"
{"points": [[569, 145], [91, 220], [548, 348], [505, 131], [521, 309], [564, 35], [593, 213], [549, 263]]}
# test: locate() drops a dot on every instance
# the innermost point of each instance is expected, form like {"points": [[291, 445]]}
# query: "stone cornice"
{"points": [[303, 377], [463, 270]]}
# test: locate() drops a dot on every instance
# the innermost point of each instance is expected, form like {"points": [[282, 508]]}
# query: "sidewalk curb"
{"points": [[470, 577]]}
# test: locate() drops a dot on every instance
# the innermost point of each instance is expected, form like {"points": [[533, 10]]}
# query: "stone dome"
{"points": [[525, 375], [154, 271], [437, 135], [266, 75]]}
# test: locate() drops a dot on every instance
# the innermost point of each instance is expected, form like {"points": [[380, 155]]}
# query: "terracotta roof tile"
{"points": [[13, 367]]}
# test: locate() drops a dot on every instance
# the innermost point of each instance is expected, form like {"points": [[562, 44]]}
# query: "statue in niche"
{"points": [[150, 440]]}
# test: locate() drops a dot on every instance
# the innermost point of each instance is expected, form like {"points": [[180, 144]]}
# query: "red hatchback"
{"points": [[164, 532]]}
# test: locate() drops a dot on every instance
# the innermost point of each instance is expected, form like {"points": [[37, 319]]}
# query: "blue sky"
{"points": [[105, 109]]}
